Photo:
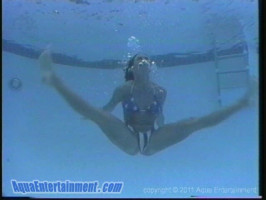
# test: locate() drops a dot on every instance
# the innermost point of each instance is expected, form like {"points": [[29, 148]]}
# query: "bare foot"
{"points": [[46, 63]]}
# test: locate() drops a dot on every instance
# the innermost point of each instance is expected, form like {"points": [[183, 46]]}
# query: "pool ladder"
{"points": [[241, 68]]}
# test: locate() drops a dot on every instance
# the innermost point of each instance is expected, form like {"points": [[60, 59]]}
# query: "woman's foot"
{"points": [[46, 62]]}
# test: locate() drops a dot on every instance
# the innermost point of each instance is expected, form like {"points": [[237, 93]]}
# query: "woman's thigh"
{"points": [[170, 134]]}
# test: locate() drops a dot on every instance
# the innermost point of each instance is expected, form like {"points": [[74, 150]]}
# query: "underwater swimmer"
{"points": [[142, 102]]}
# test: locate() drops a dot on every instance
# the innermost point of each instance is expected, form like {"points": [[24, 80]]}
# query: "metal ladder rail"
{"points": [[217, 76], [218, 73]]}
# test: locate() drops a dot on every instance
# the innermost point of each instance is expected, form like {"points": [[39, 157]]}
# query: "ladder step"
{"points": [[231, 56], [225, 88], [232, 71]]}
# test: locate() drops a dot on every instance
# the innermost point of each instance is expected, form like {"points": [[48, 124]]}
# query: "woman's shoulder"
{"points": [[125, 87], [159, 89]]}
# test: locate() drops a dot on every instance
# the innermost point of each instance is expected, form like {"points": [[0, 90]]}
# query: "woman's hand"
{"points": [[46, 62]]}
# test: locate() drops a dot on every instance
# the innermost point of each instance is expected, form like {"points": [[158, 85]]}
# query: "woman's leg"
{"points": [[117, 132], [173, 133], [113, 128]]}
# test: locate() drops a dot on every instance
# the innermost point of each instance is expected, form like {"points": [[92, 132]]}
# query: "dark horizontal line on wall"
{"points": [[165, 60]]}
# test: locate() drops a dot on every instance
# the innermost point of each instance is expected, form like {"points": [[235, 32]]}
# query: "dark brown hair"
{"points": [[128, 73]]}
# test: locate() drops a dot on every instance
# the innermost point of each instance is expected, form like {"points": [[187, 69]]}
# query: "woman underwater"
{"points": [[142, 102]]}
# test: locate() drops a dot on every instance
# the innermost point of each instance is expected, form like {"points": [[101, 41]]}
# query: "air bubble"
{"points": [[133, 45]]}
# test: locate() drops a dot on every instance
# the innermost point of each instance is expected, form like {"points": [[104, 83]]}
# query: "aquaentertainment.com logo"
{"points": [[67, 186]]}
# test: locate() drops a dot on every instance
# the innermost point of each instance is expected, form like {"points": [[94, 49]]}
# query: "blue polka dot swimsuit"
{"points": [[130, 107]]}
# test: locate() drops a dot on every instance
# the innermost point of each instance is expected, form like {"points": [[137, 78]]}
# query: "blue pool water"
{"points": [[44, 139]]}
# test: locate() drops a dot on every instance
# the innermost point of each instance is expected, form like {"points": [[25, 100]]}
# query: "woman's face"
{"points": [[141, 65]]}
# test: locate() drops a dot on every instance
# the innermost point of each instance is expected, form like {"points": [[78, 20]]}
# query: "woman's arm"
{"points": [[160, 120], [116, 98], [161, 98]]}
